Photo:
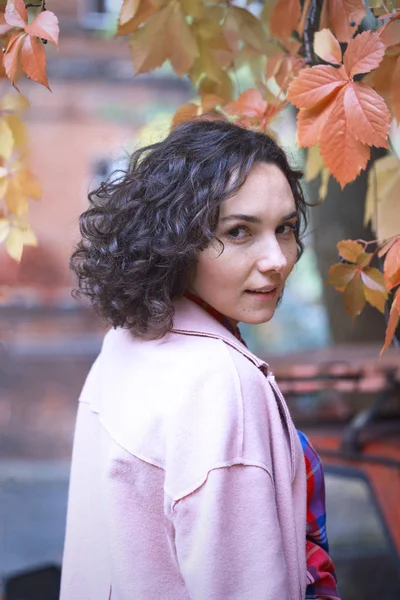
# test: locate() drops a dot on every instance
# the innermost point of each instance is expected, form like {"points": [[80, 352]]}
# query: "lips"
{"points": [[268, 289]]}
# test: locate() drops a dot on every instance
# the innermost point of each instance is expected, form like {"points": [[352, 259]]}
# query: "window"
{"points": [[99, 14]]}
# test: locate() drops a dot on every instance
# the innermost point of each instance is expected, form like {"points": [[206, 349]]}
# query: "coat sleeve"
{"points": [[227, 537]]}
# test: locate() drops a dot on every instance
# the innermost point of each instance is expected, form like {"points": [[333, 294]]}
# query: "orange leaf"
{"points": [[314, 85], [185, 113], [11, 57], [146, 9], [128, 11], [393, 321], [353, 297], [373, 279], [45, 26], [249, 103], [273, 64], [392, 260], [367, 115], [342, 13], [343, 155], [390, 33], [310, 122], [386, 247], [340, 275], [16, 13], [350, 250], [285, 18], [364, 53], [33, 60], [327, 47]]}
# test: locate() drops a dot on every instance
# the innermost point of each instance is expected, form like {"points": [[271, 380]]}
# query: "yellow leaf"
{"points": [[193, 8], [382, 204], [327, 47], [14, 102], [376, 299], [251, 29], [4, 229], [16, 200], [6, 140], [373, 279], [29, 184], [350, 250], [353, 297], [29, 237], [323, 188], [340, 275], [314, 164], [15, 243], [174, 41], [18, 129]]}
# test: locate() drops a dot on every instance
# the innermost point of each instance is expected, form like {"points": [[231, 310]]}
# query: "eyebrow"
{"points": [[252, 219]]}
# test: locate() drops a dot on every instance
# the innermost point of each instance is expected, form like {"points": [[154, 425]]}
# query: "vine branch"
{"points": [[311, 25]]}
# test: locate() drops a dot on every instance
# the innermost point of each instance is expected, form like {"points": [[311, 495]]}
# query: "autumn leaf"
{"points": [[251, 104], [343, 155], [345, 117], [314, 85], [145, 10], [128, 11], [364, 53], [367, 115], [393, 323], [327, 47], [340, 275], [381, 206], [162, 26], [350, 250], [392, 265], [6, 140], [285, 18], [25, 49], [341, 14], [353, 296]]}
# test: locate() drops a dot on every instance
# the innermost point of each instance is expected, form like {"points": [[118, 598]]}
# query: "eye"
{"points": [[288, 228], [238, 233]]}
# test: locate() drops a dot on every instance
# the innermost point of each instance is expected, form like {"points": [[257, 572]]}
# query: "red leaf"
{"points": [[45, 26], [390, 33], [33, 60], [393, 321], [11, 57], [367, 115], [364, 53], [16, 13], [314, 85], [342, 13], [343, 155], [310, 122], [284, 18], [350, 250], [353, 297]]}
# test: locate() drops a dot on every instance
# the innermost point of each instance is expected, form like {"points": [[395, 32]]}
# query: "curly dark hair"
{"points": [[143, 230]]}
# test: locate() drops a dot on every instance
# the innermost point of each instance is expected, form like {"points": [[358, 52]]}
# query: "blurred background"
{"points": [[80, 133]]}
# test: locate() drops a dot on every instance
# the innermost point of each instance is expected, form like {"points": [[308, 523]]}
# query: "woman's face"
{"points": [[257, 227]]}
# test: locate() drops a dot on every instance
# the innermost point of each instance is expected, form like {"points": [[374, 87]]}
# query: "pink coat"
{"points": [[188, 477]]}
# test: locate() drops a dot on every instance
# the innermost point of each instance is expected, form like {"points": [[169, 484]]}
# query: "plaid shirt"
{"points": [[321, 577]]}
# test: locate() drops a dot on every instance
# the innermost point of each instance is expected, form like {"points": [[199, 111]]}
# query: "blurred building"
{"points": [[76, 133]]}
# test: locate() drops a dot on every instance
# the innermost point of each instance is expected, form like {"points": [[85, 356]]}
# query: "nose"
{"points": [[271, 257]]}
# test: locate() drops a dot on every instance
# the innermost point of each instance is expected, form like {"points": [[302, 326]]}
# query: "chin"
{"points": [[257, 319]]}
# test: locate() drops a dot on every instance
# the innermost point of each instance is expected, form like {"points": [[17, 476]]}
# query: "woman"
{"points": [[188, 478]]}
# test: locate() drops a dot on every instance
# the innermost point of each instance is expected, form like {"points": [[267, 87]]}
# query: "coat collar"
{"points": [[191, 319]]}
